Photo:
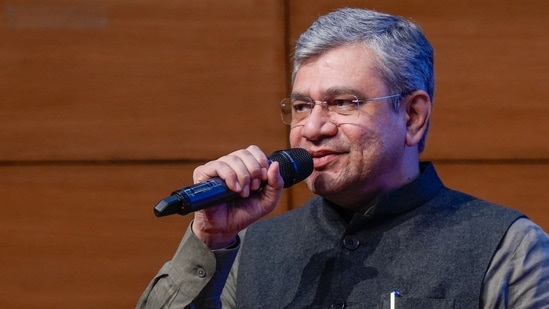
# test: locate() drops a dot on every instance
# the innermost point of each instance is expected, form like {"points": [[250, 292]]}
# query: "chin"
{"points": [[320, 183]]}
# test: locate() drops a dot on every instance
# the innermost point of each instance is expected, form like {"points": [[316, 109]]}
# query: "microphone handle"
{"points": [[196, 197]]}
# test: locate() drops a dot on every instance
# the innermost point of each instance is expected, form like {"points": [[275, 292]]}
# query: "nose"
{"points": [[318, 124]]}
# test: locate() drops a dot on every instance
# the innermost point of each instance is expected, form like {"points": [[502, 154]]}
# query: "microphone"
{"points": [[295, 164]]}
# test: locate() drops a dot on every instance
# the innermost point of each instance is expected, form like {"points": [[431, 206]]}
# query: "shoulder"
{"points": [[525, 235], [456, 202], [519, 268]]}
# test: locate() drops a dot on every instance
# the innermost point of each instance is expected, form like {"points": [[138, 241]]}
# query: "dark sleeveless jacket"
{"points": [[430, 243]]}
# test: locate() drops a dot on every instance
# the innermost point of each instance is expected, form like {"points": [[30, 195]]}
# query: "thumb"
{"points": [[272, 190]]}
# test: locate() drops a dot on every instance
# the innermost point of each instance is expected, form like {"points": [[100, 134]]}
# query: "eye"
{"points": [[344, 104], [300, 106]]}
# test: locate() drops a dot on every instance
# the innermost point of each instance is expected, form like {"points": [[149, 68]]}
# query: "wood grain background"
{"points": [[107, 107]]}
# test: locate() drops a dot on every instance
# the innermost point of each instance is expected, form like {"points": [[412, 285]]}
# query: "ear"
{"points": [[417, 107]]}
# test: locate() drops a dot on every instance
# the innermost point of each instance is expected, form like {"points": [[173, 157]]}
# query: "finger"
{"points": [[225, 168], [243, 170], [260, 175], [250, 166]]}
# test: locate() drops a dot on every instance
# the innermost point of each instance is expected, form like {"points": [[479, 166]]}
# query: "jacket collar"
{"points": [[403, 199]]}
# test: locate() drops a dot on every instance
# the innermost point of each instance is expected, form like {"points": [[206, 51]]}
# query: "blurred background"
{"points": [[107, 106]]}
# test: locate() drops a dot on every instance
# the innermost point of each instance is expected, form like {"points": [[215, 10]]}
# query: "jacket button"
{"points": [[351, 242], [200, 272]]}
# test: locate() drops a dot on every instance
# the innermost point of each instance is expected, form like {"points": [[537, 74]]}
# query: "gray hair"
{"points": [[404, 55]]}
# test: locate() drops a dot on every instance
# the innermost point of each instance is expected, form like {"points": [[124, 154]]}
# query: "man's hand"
{"points": [[245, 172]]}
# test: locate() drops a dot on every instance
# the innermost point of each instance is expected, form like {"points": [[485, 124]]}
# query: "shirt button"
{"points": [[351, 242], [338, 304], [200, 272]]}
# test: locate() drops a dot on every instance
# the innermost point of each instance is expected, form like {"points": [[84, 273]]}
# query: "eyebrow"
{"points": [[331, 92]]}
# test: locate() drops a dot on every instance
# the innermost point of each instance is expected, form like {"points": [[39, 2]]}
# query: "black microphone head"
{"points": [[296, 164]]}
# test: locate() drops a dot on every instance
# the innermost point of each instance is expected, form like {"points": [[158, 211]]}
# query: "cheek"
{"points": [[371, 142], [295, 137]]}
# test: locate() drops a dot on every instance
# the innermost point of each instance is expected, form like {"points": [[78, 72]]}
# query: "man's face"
{"points": [[354, 160]]}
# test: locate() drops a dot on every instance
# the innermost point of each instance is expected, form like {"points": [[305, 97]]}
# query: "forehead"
{"points": [[345, 67]]}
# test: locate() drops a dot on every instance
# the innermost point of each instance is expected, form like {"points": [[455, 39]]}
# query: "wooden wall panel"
{"points": [[85, 236], [92, 93], [140, 80]]}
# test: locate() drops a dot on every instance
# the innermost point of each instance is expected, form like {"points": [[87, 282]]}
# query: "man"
{"points": [[381, 220]]}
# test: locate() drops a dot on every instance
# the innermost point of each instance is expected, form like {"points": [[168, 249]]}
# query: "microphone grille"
{"points": [[296, 164]]}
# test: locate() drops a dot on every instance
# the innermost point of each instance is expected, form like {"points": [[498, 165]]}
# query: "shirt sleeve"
{"points": [[518, 275], [194, 278]]}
